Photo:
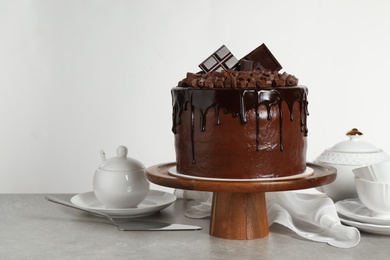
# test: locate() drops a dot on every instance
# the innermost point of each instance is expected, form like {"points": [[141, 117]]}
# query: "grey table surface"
{"points": [[33, 228]]}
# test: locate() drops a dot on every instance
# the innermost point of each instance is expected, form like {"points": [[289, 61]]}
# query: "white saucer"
{"points": [[308, 172], [355, 210], [154, 202], [369, 228]]}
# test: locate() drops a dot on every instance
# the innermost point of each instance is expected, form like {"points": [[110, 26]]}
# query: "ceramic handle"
{"points": [[103, 155], [121, 151]]}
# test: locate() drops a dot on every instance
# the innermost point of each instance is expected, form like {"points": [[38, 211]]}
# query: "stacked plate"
{"points": [[353, 213]]}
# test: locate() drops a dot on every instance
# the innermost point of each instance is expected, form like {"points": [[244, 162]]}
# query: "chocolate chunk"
{"points": [[221, 59], [291, 80], [218, 83], [263, 59], [246, 65], [201, 83], [251, 83], [208, 83], [257, 66]]}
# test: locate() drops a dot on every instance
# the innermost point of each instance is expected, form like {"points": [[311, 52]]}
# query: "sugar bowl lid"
{"points": [[353, 151], [355, 144], [120, 162]]}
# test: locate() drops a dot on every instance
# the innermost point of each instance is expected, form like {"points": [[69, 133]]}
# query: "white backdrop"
{"points": [[80, 76]]}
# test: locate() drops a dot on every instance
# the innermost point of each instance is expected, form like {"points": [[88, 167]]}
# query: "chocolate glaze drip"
{"points": [[237, 102]]}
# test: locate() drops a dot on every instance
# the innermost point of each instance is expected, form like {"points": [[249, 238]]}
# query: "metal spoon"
{"points": [[132, 225]]}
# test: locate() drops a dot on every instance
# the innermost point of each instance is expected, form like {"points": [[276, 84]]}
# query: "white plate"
{"points": [[154, 202], [308, 172], [369, 228], [355, 210]]}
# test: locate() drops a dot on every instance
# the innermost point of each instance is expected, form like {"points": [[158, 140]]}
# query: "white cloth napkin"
{"points": [[312, 216]]}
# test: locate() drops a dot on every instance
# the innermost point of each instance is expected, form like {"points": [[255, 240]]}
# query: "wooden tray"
{"points": [[239, 210]]}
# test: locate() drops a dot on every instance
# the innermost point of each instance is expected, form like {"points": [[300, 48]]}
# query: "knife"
{"points": [[131, 225], [141, 225]]}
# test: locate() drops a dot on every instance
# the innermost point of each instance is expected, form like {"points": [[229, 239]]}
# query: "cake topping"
{"points": [[258, 69], [239, 79]]}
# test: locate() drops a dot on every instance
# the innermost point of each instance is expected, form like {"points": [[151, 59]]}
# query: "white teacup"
{"points": [[375, 196], [378, 172]]}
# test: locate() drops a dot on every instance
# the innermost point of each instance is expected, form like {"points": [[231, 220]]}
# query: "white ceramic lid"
{"points": [[354, 151], [120, 162], [355, 144]]}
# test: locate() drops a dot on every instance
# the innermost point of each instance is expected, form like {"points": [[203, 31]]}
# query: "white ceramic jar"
{"points": [[345, 156], [120, 181]]}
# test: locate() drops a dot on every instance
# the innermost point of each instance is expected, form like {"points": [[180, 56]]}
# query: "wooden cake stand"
{"points": [[239, 209]]}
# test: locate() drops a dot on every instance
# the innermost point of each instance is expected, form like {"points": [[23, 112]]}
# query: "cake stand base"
{"points": [[239, 209], [239, 215]]}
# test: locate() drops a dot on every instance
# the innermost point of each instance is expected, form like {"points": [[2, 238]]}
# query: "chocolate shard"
{"points": [[221, 59], [263, 59]]}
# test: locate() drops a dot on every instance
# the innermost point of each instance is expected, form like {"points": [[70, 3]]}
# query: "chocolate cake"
{"points": [[241, 121]]}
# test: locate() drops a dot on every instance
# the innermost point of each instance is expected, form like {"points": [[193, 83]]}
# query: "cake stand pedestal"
{"points": [[239, 209]]}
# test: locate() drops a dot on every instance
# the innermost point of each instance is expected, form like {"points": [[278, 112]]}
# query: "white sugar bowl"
{"points": [[120, 182], [345, 156]]}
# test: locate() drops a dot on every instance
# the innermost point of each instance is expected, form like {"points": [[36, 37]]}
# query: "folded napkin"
{"points": [[310, 215]]}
